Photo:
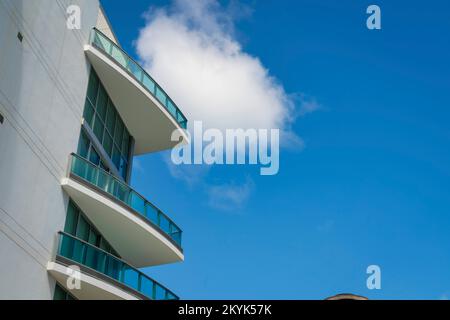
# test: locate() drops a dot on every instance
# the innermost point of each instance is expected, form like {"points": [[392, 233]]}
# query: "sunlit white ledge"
{"points": [[92, 285], [134, 238], [146, 118]]}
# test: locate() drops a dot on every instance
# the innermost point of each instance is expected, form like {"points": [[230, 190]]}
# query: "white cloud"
{"points": [[192, 175], [190, 49], [230, 196]]}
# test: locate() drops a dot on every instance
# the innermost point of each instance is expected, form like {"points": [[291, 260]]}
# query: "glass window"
{"points": [[102, 103], [93, 237], [123, 167], [61, 294], [71, 219], [82, 228], [83, 145], [104, 245], [98, 128], [78, 226], [88, 114], [94, 157], [93, 87], [116, 157], [107, 144], [125, 143], [107, 125], [111, 118], [119, 131]]}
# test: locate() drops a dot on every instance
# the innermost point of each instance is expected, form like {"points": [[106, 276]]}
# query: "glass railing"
{"points": [[108, 183], [95, 258], [102, 42]]}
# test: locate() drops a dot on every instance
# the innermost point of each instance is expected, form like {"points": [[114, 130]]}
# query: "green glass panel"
{"points": [[125, 143], [113, 268], [102, 103], [59, 294], [94, 157], [107, 144], [147, 287], [88, 113], [66, 247], [124, 193], [71, 219], [79, 167], [82, 229], [119, 131], [98, 128], [151, 213], [93, 236], [83, 145], [130, 277], [93, 87], [103, 180], [148, 83], [123, 168], [93, 257], [102, 42], [164, 224], [104, 245], [119, 56], [79, 252], [116, 156], [160, 95], [137, 202], [171, 108], [160, 292], [111, 118], [135, 70]]}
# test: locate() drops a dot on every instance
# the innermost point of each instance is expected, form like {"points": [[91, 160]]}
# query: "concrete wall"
{"points": [[43, 82]]}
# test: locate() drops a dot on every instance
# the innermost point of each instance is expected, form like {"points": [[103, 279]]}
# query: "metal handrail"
{"points": [[172, 225], [143, 72], [139, 273]]}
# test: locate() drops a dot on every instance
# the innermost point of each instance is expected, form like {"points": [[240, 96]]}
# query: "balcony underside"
{"points": [[148, 121], [133, 237], [92, 285]]}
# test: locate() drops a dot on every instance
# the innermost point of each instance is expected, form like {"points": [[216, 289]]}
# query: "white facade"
{"points": [[43, 83]]}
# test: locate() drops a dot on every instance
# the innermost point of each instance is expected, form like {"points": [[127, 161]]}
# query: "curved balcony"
{"points": [[137, 229], [149, 113], [102, 275]]}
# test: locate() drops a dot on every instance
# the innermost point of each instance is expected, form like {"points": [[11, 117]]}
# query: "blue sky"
{"points": [[371, 184]]}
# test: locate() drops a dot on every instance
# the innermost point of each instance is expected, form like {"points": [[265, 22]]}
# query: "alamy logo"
{"points": [[74, 279], [73, 17], [374, 279], [237, 146], [374, 20]]}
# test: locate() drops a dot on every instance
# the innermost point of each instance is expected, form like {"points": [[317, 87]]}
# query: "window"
{"points": [[101, 116], [62, 294], [79, 226]]}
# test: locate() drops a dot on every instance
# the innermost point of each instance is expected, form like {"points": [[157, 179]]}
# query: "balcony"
{"points": [[149, 113], [102, 275], [137, 229]]}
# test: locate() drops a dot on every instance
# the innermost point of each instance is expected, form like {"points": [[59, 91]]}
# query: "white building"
{"points": [[74, 110]]}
